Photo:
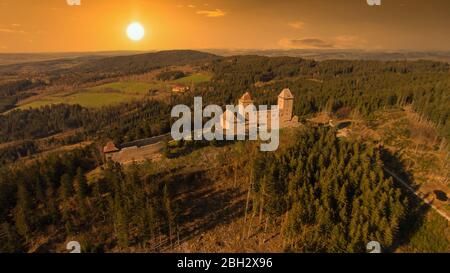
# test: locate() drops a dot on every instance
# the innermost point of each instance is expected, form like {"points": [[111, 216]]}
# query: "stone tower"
{"points": [[285, 105], [246, 99]]}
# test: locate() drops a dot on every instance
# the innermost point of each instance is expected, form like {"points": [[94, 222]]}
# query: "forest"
{"points": [[358, 87], [326, 194], [363, 86], [332, 195], [120, 209]]}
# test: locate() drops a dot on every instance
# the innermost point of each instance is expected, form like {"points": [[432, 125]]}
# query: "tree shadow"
{"points": [[393, 163], [416, 209], [203, 204], [185, 148]]}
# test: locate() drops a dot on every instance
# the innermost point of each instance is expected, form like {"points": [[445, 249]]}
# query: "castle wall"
{"points": [[138, 154]]}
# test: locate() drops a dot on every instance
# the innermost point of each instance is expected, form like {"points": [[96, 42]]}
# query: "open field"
{"points": [[194, 78], [130, 88], [95, 97], [111, 93]]}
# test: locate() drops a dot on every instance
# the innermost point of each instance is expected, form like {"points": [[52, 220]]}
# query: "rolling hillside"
{"points": [[62, 76], [324, 190]]}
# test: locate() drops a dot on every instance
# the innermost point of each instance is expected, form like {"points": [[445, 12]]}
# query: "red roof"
{"points": [[246, 97], [110, 148]]}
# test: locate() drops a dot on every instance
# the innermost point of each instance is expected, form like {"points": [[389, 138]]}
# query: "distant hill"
{"points": [[19, 58], [94, 67], [319, 55], [144, 62], [34, 68]]}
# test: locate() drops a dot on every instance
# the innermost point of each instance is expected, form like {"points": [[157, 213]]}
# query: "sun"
{"points": [[135, 31]]}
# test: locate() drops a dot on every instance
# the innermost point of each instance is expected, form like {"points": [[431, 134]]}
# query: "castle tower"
{"points": [[286, 105], [246, 99]]}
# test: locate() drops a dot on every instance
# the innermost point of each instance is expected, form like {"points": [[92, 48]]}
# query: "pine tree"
{"points": [[23, 211], [81, 191], [121, 222], [170, 213], [81, 186], [10, 240], [66, 189]]}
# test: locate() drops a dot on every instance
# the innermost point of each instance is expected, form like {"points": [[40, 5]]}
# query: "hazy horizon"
{"points": [[238, 25], [232, 49]]}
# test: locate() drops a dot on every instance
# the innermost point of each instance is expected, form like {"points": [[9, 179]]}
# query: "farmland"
{"points": [[103, 95], [194, 78], [112, 93]]}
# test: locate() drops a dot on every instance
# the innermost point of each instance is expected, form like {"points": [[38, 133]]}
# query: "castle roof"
{"points": [[110, 148], [246, 97], [286, 94]]}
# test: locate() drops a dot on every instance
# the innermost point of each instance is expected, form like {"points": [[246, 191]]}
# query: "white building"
{"points": [[285, 107]]}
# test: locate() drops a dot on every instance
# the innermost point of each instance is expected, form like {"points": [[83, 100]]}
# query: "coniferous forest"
{"points": [[333, 195], [317, 193]]}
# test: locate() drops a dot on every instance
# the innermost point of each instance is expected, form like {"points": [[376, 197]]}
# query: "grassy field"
{"points": [[130, 88], [107, 94], [111, 93], [194, 78]]}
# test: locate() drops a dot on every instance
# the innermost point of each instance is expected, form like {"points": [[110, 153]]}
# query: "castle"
{"points": [[150, 148], [285, 107]]}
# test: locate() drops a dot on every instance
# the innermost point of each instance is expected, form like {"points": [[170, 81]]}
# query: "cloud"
{"points": [[212, 13], [350, 41], [297, 24], [191, 6], [338, 42], [306, 43], [8, 30]]}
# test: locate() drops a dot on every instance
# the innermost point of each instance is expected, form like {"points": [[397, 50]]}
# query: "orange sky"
{"points": [[99, 25]]}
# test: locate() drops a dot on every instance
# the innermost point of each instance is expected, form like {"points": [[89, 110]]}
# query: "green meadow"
{"points": [[111, 93], [132, 88], [83, 98], [194, 78], [98, 96]]}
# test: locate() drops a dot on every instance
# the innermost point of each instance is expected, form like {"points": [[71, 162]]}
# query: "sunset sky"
{"points": [[100, 25]]}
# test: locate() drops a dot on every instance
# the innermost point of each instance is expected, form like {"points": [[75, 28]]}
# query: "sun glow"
{"points": [[135, 31]]}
